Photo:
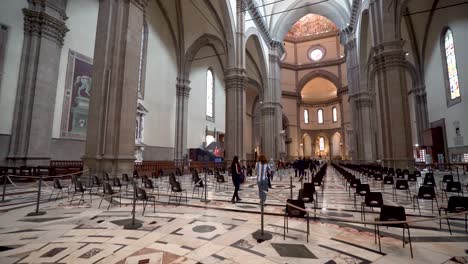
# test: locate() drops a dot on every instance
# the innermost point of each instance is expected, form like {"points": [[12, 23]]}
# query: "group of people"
{"points": [[301, 165], [265, 172]]}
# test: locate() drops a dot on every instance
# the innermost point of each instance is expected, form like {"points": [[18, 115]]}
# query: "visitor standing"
{"points": [[262, 168], [236, 178]]}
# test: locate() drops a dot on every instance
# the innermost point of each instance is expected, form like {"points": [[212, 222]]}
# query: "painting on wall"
{"points": [[77, 94]]}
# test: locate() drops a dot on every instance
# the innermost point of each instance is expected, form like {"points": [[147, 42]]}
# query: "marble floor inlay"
{"points": [[219, 231]]}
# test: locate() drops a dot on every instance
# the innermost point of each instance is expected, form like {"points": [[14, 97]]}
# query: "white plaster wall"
{"points": [[11, 16], [457, 20], [160, 82], [197, 101], [82, 21]]}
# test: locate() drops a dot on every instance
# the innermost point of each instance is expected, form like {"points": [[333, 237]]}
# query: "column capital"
{"points": [[389, 55], [42, 24], [183, 90], [235, 78]]}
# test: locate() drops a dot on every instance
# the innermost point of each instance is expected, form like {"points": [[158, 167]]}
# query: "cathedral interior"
{"points": [[129, 127]]}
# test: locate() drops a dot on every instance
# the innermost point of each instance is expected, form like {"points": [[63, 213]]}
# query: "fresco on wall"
{"points": [[78, 86], [310, 25]]}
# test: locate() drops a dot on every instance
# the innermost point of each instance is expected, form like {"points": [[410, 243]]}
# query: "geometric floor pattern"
{"points": [[219, 231]]}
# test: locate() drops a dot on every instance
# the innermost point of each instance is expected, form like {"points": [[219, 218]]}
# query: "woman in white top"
{"points": [[262, 168]]}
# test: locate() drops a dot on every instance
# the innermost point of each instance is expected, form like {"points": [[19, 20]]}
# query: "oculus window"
{"points": [[316, 53]]}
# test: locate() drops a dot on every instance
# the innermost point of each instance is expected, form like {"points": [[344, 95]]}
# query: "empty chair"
{"points": [[400, 175], [353, 184], [425, 193], [453, 187], [388, 180], [106, 177], [108, 192], [219, 181], [372, 200], [96, 182], [391, 171], [80, 189], [393, 213], [412, 178], [176, 189], [405, 172], [142, 196], [429, 181], [398, 171], [149, 185], [57, 187], [401, 185], [308, 192], [378, 177], [197, 184], [417, 173], [125, 181], [456, 204], [116, 183], [361, 190], [445, 179]]}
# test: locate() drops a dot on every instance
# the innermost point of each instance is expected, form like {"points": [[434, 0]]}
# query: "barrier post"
{"points": [[37, 212], [133, 224], [4, 188], [262, 235], [458, 175], [291, 187], [205, 199]]}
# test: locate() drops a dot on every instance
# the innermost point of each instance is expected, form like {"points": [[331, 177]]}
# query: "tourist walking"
{"points": [[236, 179], [262, 168]]}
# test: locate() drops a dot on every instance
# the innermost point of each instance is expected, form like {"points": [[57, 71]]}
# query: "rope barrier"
{"points": [[368, 222]]}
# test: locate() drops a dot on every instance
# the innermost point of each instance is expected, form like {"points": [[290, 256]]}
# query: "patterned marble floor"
{"points": [[219, 231]]}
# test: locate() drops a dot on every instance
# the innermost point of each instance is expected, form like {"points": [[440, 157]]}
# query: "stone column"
{"points": [[110, 142], [353, 88], [235, 80], [388, 80], [422, 120], [271, 107], [183, 92], [44, 32]]}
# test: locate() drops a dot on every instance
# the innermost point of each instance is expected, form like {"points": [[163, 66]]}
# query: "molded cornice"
{"points": [[313, 65]]}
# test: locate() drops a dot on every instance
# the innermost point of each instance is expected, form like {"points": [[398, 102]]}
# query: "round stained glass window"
{"points": [[316, 54]]}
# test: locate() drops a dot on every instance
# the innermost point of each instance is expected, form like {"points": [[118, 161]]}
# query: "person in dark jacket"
{"points": [[236, 178]]}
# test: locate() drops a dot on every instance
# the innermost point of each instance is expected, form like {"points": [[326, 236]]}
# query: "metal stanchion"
{"points": [[205, 199], [133, 224], [291, 187], [262, 235], [37, 212], [458, 175], [4, 188]]}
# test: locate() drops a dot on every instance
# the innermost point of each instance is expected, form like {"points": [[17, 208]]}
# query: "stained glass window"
{"points": [[321, 144], [306, 116], [451, 65], [320, 116], [209, 93], [334, 114]]}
